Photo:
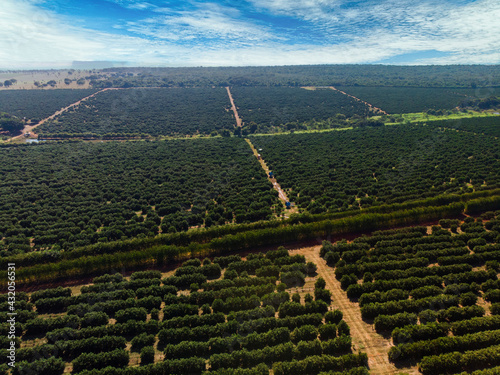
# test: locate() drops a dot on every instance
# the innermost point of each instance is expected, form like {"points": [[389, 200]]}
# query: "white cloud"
{"points": [[134, 4], [213, 35], [31, 34], [208, 21]]}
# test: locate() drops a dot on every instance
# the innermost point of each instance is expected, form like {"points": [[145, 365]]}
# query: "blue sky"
{"points": [[53, 33]]}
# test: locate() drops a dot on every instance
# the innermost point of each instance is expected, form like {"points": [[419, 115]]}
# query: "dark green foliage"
{"points": [[327, 332], [333, 317], [326, 247], [116, 358], [311, 268], [70, 349], [52, 305], [152, 111], [409, 99], [271, 107], [141, 341], [419, 332], [268, 271], [487, 323], [485, 125], [10, 124], [454, 314], [146, 275], [457, 362], [389, 322], [39, 326], [315, 364], [49, 366], [226, 260], [116, 278], [38, 104], [341, 180], [470, 299], [417, 350], [179, 310], [104, 209], [133, 313], [323, 295], [372, 310], [332, 258], [293, 278], [304, 333], [348, 280], [147, 355], [390, 295]]}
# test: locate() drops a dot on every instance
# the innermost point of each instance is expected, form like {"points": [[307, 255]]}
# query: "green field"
{"points": [[73, 194], [359, 168], [155, 112], [143, 233]]}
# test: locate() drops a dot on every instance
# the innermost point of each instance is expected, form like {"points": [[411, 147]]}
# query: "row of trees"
{"points": [[270, 108], [396, 164], [150, 111], [10, 124], [421, 305], [38, 104], [486, 125], [89, 203], [470, 76], [410, 99], [151, 255], [244, 336]]}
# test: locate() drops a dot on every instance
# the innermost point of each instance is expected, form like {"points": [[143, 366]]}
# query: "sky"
{"points": [[55, 33]]}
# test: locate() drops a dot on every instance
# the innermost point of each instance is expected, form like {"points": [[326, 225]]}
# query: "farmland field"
{"points": [[133, 254], [410, 99], [274, 106], [38, 104], [189, 322], [359, 168], [483, 125], [435, 294], [74, 194], [148, 111]]}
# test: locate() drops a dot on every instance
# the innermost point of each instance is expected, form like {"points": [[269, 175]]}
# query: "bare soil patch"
{"points": [[282, 195], [372, 107], [364, 337], [239, 123]]}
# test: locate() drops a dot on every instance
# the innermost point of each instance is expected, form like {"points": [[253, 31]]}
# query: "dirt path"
{"points": [[239, 123], [29, 128], [372, 107], [277, 187], [364, 337]]}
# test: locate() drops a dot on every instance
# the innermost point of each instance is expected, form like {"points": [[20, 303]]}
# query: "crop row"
{"points": [[431, 309], [152, 111], [209, 324], [328, 172], [67, 195]]}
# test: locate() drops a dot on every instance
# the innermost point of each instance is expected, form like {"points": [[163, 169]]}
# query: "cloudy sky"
{"points": [[53, 33]]}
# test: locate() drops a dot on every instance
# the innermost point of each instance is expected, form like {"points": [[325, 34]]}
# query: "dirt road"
{"points": [[233, 107], [372, 107], [29, 128], [276, 185], [364, 337]]}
